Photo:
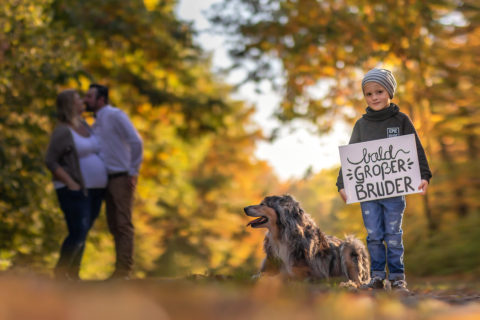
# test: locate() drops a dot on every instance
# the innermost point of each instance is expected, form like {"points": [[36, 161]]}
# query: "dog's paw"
{"points": [[349, 285]]}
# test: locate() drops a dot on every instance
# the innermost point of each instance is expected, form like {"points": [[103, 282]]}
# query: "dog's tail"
{"points": [[355, 262]]}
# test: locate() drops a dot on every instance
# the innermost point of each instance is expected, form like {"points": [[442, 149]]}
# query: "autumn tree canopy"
{"points": [[316, 53]]}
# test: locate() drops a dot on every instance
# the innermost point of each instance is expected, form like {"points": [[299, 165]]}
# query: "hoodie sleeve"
{"points": [[354, 138], [408, 128]]}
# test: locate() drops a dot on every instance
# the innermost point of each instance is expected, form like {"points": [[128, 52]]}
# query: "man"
{"points": [[122, 150]]}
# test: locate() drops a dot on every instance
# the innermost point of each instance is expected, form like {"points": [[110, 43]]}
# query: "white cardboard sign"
{"points": [[380, 169]]}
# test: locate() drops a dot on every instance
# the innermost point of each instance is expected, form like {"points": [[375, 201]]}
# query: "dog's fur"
{"points": [[296, 247]]}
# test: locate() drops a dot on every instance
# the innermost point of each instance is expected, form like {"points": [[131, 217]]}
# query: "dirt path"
{"points": [[454, 298], [40, 298]]}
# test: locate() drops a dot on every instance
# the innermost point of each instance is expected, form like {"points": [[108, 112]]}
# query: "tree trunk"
{"points": [[458, 191]]}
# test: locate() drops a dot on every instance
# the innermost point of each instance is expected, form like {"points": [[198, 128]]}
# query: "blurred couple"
{"points": [[90, 164]]}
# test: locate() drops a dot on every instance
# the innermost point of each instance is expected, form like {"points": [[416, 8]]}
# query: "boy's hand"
{"points": [[423, 186], [343, 194]]}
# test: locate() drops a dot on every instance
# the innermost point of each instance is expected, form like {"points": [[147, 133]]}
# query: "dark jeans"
{"points": [[383, 221], [80, 212]]}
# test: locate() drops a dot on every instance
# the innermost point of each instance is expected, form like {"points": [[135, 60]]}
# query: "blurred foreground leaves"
{"points": [[33, 298]]}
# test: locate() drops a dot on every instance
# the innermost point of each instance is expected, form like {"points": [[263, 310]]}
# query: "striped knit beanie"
{"points": [[383, 77]]}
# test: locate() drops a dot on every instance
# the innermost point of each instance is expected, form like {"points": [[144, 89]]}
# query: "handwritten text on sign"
{"points": [[380, 168]]}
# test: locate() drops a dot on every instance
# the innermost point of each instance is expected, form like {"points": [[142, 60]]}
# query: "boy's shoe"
{"points": [[375, 283], [399, 286]]}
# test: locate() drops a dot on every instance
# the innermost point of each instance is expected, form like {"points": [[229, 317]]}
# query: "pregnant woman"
{"points": [[79, 177]]}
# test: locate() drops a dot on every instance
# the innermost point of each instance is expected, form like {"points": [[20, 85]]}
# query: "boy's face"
{"points": [[376, 96]]}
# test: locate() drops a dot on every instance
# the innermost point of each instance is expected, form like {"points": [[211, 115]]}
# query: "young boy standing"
{"points": [[383, 217]]}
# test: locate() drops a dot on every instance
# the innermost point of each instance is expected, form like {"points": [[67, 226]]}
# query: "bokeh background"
{"points": [[200, 167]]}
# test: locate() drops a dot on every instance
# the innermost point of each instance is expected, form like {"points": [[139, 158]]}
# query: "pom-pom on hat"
{"points": [[383, 77]]}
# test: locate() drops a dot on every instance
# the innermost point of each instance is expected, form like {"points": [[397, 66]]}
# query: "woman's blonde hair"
{"points": [[65, 106]]}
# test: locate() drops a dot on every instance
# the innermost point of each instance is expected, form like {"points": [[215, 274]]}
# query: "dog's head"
{"points": [[274, 212]]}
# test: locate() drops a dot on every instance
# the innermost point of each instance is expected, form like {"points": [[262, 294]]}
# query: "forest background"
{"points": [[199, 169]]}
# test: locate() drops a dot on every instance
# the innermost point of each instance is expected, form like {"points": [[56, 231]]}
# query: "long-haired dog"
{"points": [[296, 247]]}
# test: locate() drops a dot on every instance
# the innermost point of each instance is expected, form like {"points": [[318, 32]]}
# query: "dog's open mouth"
{"points": [[257, 222]]}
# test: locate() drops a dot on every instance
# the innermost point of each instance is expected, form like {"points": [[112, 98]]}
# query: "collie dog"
{"points": [[296, 248]]}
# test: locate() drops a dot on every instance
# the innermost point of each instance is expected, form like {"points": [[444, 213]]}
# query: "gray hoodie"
{"points": [[386, 123]]}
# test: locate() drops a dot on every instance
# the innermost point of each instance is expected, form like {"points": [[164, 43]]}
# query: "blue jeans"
{"points": [[383, 221], [80, 212]]}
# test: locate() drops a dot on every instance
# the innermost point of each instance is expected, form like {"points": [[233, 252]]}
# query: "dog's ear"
{"points": [[280, 210], [293, 207], [278, 204], [296, 211], [287, 208]]}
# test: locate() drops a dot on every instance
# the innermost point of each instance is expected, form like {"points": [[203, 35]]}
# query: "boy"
{"points": [[383, 217]]}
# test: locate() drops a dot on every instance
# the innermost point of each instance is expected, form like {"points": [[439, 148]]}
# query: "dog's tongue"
{"points": [[255, 221]]}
